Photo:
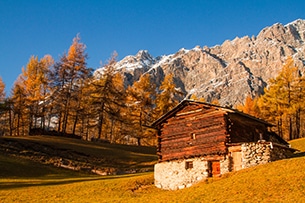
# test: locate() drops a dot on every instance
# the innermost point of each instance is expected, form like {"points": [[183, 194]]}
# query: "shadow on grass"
{"points": [[14, 183], [19, 173], [32, 183], [48, 148]]}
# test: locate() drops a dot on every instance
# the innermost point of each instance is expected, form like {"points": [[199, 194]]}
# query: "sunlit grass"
{"points": [[298, 144], [280, 181]]}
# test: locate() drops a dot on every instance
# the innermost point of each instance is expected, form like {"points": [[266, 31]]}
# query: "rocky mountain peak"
{"points": [[144, 55], [228, 72]]}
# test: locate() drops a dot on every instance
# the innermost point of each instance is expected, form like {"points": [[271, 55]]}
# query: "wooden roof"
{"points": [[186, 102]]}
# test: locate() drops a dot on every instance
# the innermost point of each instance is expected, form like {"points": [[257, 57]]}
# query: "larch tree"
{"points": [[279, 101], [19, 121], [298, 107], [36, 83], [3, 109], [140, 102], [249, 107], [107, 96], [6, 112], [69, 75], [115, 110], [168, 96]]}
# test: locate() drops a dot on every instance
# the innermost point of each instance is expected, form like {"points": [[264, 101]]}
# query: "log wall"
{"points": [[193, 131], [242, 129]]}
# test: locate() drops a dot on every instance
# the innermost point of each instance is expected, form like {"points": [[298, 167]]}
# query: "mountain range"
{"points": [[228, 72]]}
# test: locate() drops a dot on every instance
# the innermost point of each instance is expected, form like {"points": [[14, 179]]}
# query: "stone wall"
{"points": [[225, 165], [254, 154], [174, 175], [257, 153], [279, 152]]}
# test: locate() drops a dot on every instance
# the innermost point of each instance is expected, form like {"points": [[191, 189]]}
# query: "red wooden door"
{"points": [[215, 168]]}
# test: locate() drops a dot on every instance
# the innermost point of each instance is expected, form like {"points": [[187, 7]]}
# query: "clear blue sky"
{"points": [[39, 27]]}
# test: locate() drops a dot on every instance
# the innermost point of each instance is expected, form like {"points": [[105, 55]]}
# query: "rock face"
{"points": [[228, 72]]}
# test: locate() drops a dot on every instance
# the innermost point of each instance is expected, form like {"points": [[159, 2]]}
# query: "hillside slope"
{"points": [[228, 72], [22, 180], [280, 181], [99, 158]]}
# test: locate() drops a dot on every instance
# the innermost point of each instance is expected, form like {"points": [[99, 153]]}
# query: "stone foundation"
{"points": [[225, 165], [174, 175], [179, 174], [254, 154]]}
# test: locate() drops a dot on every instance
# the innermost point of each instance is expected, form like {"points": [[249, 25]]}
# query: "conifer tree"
{"points": [[249, 107], [107, 96], [140, 101], [168, 97], [36, 83], [118, 99], [298, 106], [19, 121], [6, 113], [278, 104], [3, 109], [68, 76]]}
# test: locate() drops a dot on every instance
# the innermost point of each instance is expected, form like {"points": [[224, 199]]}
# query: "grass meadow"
{"points": [[22, 180]]}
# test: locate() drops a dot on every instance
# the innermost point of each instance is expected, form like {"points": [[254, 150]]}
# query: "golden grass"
{"points": [[298, 144], [280, 181]]}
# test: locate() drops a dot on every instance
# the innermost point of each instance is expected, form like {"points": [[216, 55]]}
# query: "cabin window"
{"points": [[193, 136], [188, 165]]}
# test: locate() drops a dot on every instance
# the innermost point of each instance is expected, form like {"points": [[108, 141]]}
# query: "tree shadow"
{"points": [[7, 185]]}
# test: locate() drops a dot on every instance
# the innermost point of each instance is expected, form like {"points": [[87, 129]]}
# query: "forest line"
{"points": [[67, 98]]}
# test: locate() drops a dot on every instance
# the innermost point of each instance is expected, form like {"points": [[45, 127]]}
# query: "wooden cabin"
{"points": [[197, 140]]}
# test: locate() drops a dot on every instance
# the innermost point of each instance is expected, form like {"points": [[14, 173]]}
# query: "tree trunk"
{"points": [[298, 123], [59, 122], [111, 130], [65, 120], [76, 116], [75, 123], [100, 121], [18, 125], [87, 130], [290, 128], [66, 115], [279, 126], [42, 121], [10, 122], [139, 141]]}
